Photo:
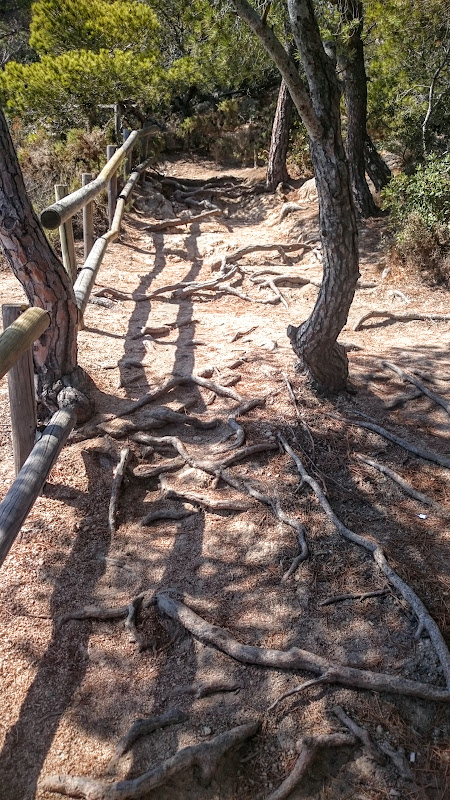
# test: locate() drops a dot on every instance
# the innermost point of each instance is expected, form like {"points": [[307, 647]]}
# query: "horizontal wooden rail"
{"points": [[54, 216], [86, 279], [18, 337], [23, 493]]}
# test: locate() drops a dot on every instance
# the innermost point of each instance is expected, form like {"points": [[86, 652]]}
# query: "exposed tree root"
{"points": [[210, 503], [105, 614], [360, 733], [372, 547], [398, 759], [180, 380], [236, 255], [401, 399], [297, 690], [104, 291], [288, 208], [427, 455], [295, 658], [390, 317], [147, 471], [130, 622], [207, 688], [115, 488], [178, 222], [310, 748], [165, 513], [156, 418], [339, 598], [143, 727], [407, 378], [205, 756], [183, 289], [404, 485]]}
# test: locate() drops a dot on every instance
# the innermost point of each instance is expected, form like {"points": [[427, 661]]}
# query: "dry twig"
{"points": [[339, 598], [115, 488], [404, 485]]}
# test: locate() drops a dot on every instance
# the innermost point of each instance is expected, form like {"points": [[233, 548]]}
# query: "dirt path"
{"points": [[70, 693]]}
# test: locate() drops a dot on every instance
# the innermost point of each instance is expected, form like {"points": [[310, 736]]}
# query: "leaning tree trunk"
{"points": [[355, 92], [38, 269], [318, 105], [376, 167], [279, 143]]}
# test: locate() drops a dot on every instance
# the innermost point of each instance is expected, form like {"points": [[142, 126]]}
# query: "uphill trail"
{"points": [[237, 523]]}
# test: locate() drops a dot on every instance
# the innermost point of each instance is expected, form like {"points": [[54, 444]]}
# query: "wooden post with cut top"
{"points": [[66, 237], [22, 396]]}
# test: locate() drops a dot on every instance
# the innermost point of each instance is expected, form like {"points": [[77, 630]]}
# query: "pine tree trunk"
{"points": [[355, 92], [315, 340], [279, 143], [37, 267], [376, 168]]}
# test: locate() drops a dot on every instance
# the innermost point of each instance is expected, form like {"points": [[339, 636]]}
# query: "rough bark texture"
{"points": [[376, 168], [36, 266], [276, 166], [315, 340], [355, 92]]}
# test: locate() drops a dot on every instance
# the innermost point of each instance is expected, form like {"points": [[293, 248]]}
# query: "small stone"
{"points": [[206, 731], [394, 793], [379, 730]]}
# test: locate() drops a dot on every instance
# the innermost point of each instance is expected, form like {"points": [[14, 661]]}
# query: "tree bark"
{"points": [[355, 93], [376, 168], [279, 143], [318, 105], [37, 267]]}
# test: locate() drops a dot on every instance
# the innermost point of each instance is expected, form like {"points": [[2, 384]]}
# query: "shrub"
{"points": [[419, 206]]}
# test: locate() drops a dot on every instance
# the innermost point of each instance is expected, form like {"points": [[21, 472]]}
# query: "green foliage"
{"points": [[426, 194], [408, 46], [57, 27], [419, 206]]}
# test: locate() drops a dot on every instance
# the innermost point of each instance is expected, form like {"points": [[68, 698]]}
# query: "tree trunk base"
{"points": [[325, 367]]}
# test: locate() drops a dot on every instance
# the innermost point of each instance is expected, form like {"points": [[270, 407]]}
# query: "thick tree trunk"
{"points": [[376, 168], [315, 340], [279, 143], [319, 107], [38, 269], [355, 92]]}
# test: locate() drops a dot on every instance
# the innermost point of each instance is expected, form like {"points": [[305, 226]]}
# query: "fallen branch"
{"points": [[339, 598], [205, 755], [390, 317], [424, 618], [407, 378], [360, 733], [297, 690], [115, 488], [295, 658], [178, 222], [143, 727], [310, 748], [404, 485], [427, 455]]}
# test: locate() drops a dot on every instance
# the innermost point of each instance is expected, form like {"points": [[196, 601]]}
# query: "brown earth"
{"points": [[70, 693]]}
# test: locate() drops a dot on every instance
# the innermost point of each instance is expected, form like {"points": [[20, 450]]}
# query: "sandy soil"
{"points": [[69, 693]]}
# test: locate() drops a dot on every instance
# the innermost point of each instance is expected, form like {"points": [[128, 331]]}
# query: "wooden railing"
{"points": [[34, 461]]}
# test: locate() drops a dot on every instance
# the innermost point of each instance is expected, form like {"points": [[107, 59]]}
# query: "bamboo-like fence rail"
{"points": [[33, 462]]}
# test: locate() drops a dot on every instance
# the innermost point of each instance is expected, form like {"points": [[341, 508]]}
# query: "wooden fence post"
{"points": [[22, 396], [88, 218], [66, 237], [117, 122], [112, 186]]}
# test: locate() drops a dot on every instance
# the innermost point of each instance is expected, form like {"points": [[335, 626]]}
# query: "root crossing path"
{"points": [[227, 575]]}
